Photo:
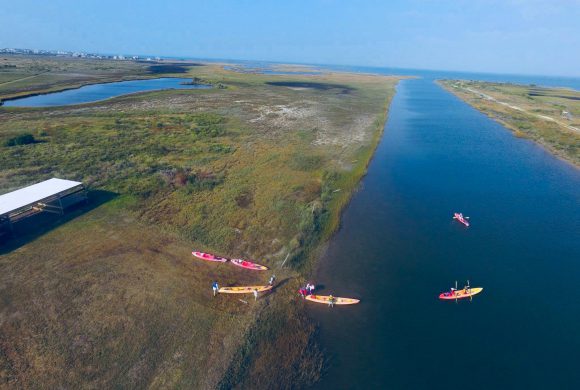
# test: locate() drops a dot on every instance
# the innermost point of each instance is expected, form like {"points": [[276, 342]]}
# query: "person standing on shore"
{"points": [[272, 280], [215, 287], [255, 295]]}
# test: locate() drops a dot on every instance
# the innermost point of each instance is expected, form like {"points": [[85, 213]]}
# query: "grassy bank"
{"points": [[260, 169], [548, 116], [281, 350]]}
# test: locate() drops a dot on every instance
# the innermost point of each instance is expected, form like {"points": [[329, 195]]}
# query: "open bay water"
{"points": [[265, 67], [96, 92], [398, 248], [538, 80]]}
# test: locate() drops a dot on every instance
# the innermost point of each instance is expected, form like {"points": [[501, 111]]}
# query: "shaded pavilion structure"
{"points": [[50, 196]]}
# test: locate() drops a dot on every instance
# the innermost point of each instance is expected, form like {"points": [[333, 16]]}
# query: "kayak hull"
{"points": [[461, 219], [337, 300], [249, 265], [460, 294], [244, 289], [209, 257]]}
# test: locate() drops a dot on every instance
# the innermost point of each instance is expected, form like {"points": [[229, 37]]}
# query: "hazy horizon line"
{"points": [[282, 62]]}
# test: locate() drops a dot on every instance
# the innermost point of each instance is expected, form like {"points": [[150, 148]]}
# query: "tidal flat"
{"points": [[259, 167]]}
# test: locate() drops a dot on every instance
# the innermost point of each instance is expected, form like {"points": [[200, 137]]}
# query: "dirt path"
{"points": [[544, 117], [23, 78]]}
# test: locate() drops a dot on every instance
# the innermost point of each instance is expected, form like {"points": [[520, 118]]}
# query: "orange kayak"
{"points": [[244, 289], [337, 300], [460, 294]]}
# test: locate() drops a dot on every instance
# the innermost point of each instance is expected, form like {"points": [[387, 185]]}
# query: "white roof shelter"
{"points": [[35, 193]]}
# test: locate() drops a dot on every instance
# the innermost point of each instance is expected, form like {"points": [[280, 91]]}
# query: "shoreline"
{"points": [[295, 308], [2, 101], [538, 140], [291, 159]]}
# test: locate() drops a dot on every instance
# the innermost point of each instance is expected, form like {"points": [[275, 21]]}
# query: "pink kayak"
{"points": [[209, 257], [461, 218], [249, 265]]}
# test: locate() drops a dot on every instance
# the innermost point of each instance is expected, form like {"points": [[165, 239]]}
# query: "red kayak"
{"points": [[209, 257], [461, 218], [249, 265]]}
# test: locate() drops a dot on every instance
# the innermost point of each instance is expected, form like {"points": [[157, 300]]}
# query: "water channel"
{"points": [[398, 248]]}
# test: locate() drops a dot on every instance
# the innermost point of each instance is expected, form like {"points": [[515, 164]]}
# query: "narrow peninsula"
{"points": [[258, 167], [548, 116]]}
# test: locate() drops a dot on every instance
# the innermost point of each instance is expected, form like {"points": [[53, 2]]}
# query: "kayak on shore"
{"points": [[459, 217], [325, 299], [209, 257], [248, 265], [244, 289]]}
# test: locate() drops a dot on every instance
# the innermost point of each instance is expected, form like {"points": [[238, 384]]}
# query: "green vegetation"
{"points": [[549, 116], [260, 169]]}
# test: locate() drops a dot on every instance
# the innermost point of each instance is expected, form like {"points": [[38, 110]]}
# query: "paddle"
{"points": [[468, 288]]}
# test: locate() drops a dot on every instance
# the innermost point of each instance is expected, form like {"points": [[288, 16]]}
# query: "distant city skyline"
{"points": [[492, 36]]}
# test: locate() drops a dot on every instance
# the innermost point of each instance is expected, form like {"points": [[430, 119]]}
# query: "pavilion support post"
{"points": [[60, 205]]}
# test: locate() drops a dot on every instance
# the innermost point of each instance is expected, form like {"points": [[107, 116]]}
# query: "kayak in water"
{"points": [[249, 265], [337, 300], [466, 292], [461, 218], [244, 289], [209, 257]]}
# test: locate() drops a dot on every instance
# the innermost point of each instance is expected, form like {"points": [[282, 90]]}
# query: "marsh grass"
{"points": [[550, 102], [247, 171]]}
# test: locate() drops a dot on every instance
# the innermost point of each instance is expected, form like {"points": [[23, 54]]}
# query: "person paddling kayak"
{"points": [[331, 301], [466, 292], [461, 218]]}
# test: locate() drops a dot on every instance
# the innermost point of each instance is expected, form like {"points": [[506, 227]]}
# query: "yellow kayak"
{"points": [[460, 294], [244, 289], [337, 300]]}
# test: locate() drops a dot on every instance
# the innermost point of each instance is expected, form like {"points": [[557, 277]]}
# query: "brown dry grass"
{"points": [[107, 300], [114, 298]]}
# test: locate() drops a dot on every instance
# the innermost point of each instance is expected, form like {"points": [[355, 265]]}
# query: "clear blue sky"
{"points": [[509, 36]]}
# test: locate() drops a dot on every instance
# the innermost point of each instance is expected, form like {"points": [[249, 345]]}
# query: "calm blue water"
{"points": [[398, 248], [547, 81], [96, 92]]}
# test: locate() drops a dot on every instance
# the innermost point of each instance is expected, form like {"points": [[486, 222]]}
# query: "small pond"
{"points": [[96, 92]]}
